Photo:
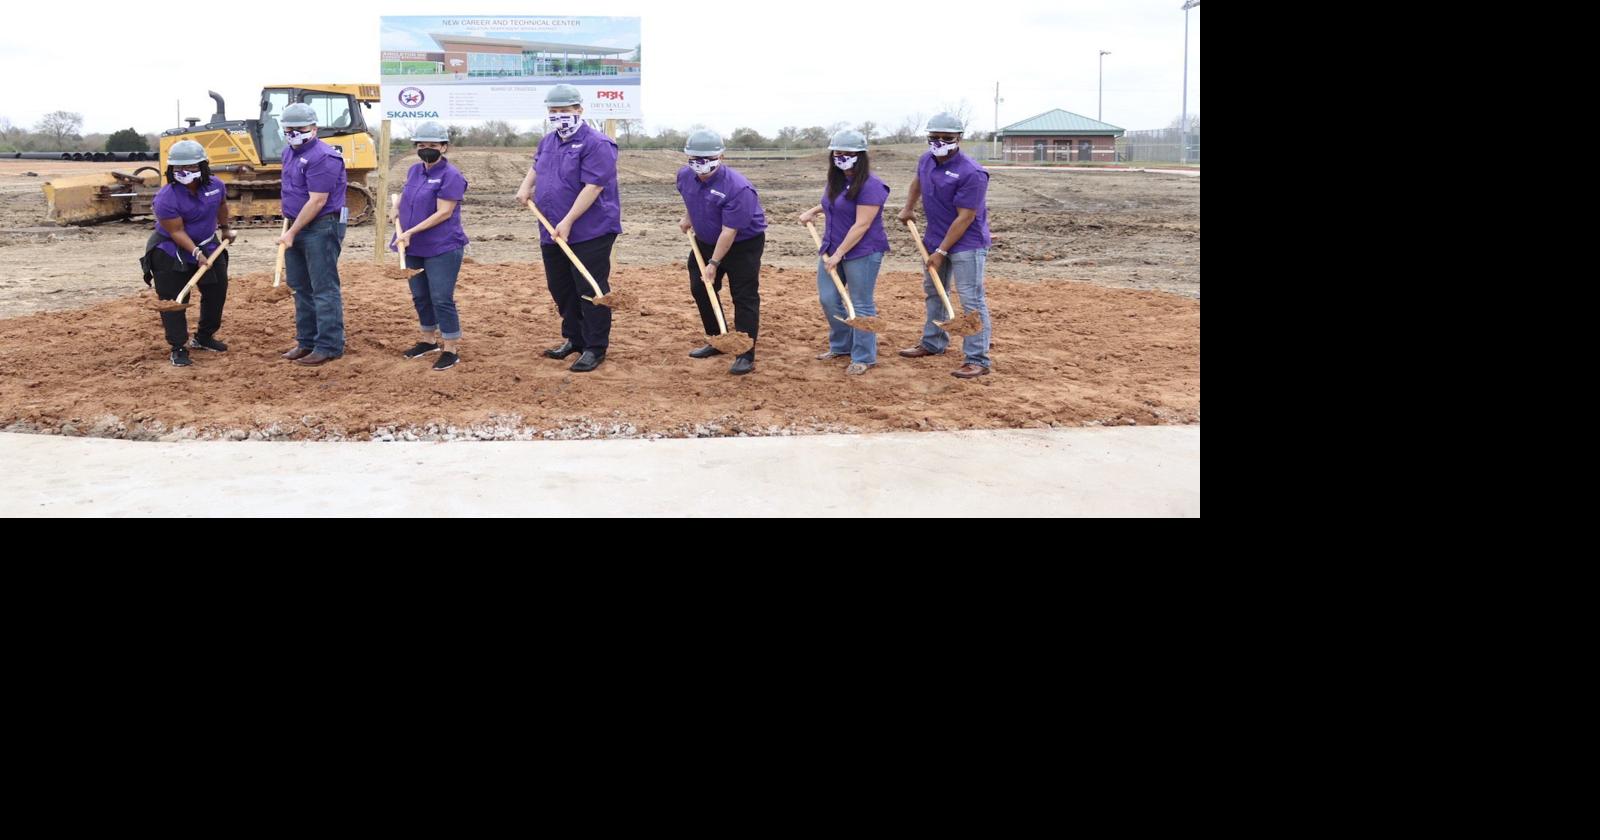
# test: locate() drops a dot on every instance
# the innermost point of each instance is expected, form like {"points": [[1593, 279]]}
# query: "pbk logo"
{"points": [[615, 95], [411, 97]]}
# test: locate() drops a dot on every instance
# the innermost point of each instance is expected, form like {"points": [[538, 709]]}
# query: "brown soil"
{"points": [[733, 343], [869, 323], [1066, 353], [968, 323], [270, 294], [618, 299]]}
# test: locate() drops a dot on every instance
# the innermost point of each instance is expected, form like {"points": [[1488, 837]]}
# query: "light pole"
{"points": [[1183, 127], [1101, 113]]}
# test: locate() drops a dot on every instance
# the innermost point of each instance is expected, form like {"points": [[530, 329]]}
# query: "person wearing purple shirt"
{"points": [[953, 189], [854, 247], [313, 196], [429, 227], [191, 224], [573, 182], [721, 207]]}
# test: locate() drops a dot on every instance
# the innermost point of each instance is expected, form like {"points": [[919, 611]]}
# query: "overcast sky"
{"points": [[761, 65]]}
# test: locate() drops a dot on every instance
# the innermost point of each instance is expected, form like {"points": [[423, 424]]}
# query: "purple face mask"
{"points": [[940, 148], [846, 162], [296, 138]]}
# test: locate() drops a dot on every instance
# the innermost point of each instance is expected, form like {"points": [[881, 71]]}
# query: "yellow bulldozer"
{"points": [[247, 155]]}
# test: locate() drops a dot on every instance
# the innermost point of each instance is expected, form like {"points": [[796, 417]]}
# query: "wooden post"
{"points": [[611, 131], [380, 200]]}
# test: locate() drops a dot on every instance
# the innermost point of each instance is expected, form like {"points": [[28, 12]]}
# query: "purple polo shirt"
{"points": [[841, 215], [961, 183], [419, 200], [562, 168], [198, 211], [314, 167], [726, 199]]}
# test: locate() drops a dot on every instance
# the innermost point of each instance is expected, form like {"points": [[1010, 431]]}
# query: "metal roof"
{"points": [[1061, 122]]}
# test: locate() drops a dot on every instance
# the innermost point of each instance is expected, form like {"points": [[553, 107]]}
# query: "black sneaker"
{"points": [[447, 360], [422, 348], [211, 344], [180, 357]]}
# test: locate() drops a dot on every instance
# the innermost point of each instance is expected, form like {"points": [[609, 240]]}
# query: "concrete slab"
{"points": [[1124, 471]]}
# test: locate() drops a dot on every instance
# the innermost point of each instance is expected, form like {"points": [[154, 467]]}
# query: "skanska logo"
{"points": [[412, 115]]}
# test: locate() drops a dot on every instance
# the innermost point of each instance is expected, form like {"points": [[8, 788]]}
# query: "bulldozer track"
{"points": [[246, 219]]}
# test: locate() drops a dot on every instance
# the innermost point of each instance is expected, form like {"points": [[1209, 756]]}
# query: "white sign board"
{"points": [[498, 67]]}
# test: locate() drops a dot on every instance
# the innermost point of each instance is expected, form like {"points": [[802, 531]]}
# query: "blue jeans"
{"points": [[967, 268], [860, 277], [433, 292], [311, 268]]}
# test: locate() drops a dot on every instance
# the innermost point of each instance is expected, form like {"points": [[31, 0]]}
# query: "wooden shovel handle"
{"points": [[563, 243], [711, 290], [394, 202], [949, 313], [838, 284], [277, 270], [195, 280]]}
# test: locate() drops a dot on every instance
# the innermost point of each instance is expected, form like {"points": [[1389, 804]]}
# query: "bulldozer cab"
{"points": [[338, 114]]}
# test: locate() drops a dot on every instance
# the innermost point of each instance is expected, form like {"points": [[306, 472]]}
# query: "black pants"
{"points": [[585, 325], [742, 267], [170, 278]]}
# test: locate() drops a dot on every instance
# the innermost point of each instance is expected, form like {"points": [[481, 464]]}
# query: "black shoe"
{"points": [[211, 344], [588, 361], [566, 349], [742, 366], [180, 357], [705, 352], [422, 348], [446, 361]]}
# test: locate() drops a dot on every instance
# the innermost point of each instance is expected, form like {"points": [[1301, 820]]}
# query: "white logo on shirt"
{"points": [[953, 174], [435, 180], [577, 145], [212, 193], [719, 194]]}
